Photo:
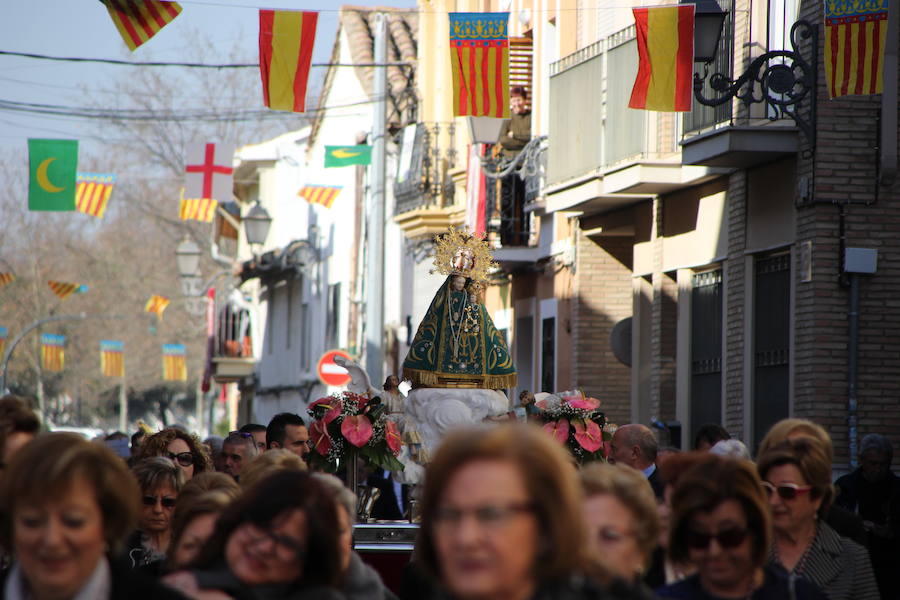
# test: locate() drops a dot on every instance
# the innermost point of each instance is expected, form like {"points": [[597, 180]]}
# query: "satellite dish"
{"points": [[620, 341]]}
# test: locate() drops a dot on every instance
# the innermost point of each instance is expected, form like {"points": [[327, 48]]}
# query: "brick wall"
{"points": [[734, 274], [603, 297]]}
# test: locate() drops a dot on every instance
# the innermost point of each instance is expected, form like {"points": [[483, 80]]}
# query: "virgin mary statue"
{"points": [[457, 345]]}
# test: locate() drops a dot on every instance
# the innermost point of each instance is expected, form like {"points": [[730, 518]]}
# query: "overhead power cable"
{"points": [[255, 65]]}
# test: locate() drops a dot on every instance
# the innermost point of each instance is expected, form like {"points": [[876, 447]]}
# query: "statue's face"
{"points": [[458, 283]]}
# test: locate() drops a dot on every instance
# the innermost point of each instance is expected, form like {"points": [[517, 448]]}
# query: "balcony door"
{"points": [[706, 350]]}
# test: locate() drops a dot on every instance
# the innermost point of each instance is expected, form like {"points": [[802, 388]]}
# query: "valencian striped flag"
{"points": [[112, 359], [64, 290], [665, 43], [156, 305], [52, 354], [855, 34], [286, 39], [198, 209], [92, 191], [479, 59], [320, 194], [174, 365], [6, 278], [3, 334], [138, 21]]}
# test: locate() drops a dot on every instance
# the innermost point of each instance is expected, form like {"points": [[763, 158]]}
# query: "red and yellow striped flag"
{"points": [[479, 59], [6, 278], [855, 35], [174, 363], [156, 305], [52, 353], [198, 209], [139, 20], [64, 290], [320, 194], [286, 39], [665, 42], [92, 191]]}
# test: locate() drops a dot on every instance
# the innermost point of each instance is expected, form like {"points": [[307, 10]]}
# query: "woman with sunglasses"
{"points": [[278, 540], [797, 478], [720, 525], [160, 482], [182, 448]]}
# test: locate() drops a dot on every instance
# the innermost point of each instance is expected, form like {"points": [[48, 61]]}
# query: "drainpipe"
{"points": [[857, 261], [852, 367]]}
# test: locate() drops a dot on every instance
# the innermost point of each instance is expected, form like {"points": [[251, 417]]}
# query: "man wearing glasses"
{"points": [[259, 435], [288, 431], [237, 450]]}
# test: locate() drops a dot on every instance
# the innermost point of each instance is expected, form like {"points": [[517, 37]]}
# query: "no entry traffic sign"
{"points": [[331, 373]]}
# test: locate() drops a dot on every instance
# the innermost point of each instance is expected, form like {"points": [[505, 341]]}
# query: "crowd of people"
{"points": [[506, 514]]}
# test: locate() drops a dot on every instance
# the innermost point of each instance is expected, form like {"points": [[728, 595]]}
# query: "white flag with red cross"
{"points": [[208, 171]]}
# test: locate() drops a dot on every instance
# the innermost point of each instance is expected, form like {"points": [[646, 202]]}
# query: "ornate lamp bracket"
{"points": [[781, 79]]}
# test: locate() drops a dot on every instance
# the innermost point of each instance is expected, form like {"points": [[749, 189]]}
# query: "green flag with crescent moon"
{"points": [[342, 156], [52, 164]]}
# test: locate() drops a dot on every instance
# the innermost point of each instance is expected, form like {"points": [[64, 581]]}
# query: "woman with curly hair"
{"points": [[182, 448]]}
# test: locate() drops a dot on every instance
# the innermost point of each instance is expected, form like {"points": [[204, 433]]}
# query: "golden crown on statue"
{"points": [[458, 252]]}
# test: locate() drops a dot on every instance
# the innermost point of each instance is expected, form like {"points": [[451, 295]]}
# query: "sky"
{"points": [[83, 28]]}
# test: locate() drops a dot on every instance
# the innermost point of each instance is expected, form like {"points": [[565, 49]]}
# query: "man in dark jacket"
{"points": [[873, 492]]}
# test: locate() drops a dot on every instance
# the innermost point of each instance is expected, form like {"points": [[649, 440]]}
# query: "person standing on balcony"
{"points": [[514, 136]]}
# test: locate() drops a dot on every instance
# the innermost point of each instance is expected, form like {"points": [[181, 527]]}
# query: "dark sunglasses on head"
{"points": [[166, 502], [728, 538], [242, 434], [787, 491], [185, 459]]}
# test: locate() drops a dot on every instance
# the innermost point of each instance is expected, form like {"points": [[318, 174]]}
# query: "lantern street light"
{"points": [[187, 255], [256, 225], [708, 21]]}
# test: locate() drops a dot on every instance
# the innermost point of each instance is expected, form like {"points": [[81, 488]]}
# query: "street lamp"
{"points": [[187, 255], [783, 77], [485, 130], [708, 21], [256, 225]]}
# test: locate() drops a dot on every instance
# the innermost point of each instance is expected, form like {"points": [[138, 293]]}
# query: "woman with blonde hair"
{"points": [[621, 514], [502, 518], [797, 477]]}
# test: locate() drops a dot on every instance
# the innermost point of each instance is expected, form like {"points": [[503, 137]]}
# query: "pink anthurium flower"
{"points": [[588, 434], [357, 429], [392, 437], [559, 430], [318, 433], [333, 406], [584, 403]]}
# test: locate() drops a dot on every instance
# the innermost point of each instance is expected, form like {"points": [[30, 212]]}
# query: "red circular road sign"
{"points": [[331, 373]]}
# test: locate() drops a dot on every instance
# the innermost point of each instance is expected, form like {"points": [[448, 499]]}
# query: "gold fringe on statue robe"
{"points": [[434, 379]]}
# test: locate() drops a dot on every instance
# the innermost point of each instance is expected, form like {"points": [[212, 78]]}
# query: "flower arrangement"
{"points": [[345, 424], [576, 422]]}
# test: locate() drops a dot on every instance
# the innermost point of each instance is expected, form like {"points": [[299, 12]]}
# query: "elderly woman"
{"points": [[797, 477], [621, 514], [502, 517], [65, 505], [721, 525], [193, 525], [359, 581], [160, 482], [278, 540], [842, 521], [183, 449]]}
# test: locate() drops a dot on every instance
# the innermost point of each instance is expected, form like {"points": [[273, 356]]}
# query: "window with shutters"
{"points": [[520, 64]]}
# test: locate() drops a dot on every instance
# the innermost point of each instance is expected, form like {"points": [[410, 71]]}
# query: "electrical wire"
{"points": [[255, 65]]}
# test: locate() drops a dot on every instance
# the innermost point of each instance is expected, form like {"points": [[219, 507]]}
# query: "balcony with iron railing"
{"points": [[604, 155], [759, 94]]}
